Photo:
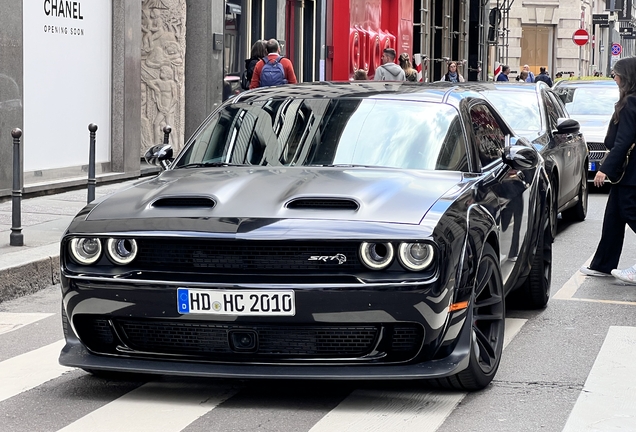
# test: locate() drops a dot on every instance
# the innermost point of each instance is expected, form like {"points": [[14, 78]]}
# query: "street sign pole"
{"points": [[610, 41]]}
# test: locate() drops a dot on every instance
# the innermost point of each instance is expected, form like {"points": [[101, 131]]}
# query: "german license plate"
{"points": [[218, 302]]}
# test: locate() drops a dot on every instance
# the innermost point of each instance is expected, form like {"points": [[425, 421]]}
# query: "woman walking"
{"points": [[621, 203]]}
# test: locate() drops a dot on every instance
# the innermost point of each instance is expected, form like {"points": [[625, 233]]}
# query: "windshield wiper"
{"points": [[208, 164]]}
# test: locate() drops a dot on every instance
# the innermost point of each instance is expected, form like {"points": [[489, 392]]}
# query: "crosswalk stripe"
{"points": [[13, 321], [155, 406], [607, 400], [398, 411], [29, 370]]}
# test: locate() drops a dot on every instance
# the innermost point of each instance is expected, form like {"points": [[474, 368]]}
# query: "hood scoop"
{"points": [[323, 204], [190, 202]]}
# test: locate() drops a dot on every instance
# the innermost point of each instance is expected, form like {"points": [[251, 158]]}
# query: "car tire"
{"points": [[578, 213], [488, 325], [535, 292]]}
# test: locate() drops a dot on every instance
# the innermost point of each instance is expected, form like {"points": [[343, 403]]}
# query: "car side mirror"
{"points": [[159, 155], [521, 157], [567, 126]]}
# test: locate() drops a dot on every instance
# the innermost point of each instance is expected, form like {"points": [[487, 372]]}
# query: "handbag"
{"points": [[624, 167]]}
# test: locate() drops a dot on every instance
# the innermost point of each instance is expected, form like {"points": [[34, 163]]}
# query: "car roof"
{"points": [[439, 92], [519, 86], [586, 83]]}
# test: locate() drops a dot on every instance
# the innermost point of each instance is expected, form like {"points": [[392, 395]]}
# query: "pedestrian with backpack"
{"points": [[274, 69], [258, 53]]}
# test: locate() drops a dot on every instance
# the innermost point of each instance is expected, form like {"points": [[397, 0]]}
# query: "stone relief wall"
{"points": [[163, 47]]}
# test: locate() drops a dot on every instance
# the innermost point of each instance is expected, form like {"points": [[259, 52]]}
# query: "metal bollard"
{"points": [[91, 163], [166, 134], [16, 238]]}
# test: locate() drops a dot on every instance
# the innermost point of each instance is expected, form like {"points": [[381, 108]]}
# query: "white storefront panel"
{"points": [[67, 81]]}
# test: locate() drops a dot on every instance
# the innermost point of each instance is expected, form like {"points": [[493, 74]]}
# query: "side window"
{"points": [[490, 137], [558, 103], [553, 114]]}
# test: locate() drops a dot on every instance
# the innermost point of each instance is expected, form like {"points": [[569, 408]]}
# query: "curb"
{"points": [[30, 271]]}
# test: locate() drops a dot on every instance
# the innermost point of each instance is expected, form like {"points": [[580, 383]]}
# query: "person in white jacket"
{"points": [[389, 70]]}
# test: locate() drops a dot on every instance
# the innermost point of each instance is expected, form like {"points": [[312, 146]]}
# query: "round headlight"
{"points": [[416, 256], [121, 251], [85, 250], [376, 256]]}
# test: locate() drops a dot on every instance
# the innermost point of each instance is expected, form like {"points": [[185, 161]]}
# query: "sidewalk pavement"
{"points": [[36, 265]]}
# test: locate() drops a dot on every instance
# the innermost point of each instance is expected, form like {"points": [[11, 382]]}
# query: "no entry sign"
{"points": [[580, 37]]}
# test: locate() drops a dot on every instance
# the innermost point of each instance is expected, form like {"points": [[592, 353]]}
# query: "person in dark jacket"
{"points": [[503, 75], [258, 52], [543, 76], [621, 203]]}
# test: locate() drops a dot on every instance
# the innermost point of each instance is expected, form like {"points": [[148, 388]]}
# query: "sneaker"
{"points": [[588, 271], [628, 275]]}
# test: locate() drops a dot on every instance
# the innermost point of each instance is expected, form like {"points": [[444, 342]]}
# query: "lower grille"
{"points": [[190, 338], [275, 342]]}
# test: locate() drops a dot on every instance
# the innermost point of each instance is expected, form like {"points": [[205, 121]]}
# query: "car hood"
{"points": [[383, 195], [593, 128]]}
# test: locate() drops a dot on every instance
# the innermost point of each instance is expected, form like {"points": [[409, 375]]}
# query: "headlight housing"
{"points": [[85, 250], [416, 256], [376, 256], [121, 251]]}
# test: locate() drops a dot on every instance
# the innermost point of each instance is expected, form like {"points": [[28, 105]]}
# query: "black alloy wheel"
{"points": [[578, 213], [488, 325]]}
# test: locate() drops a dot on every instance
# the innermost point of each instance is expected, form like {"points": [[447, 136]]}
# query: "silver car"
{"points": [[591, 103]]}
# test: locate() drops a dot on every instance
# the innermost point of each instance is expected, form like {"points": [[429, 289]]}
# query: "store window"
{"points": [[536, 47]]}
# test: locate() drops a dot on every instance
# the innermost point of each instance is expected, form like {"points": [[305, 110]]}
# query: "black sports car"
{"points": [[328, 230], [535, 112]]}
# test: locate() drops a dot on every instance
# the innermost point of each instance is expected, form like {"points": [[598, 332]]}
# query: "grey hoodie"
{"points": [[389, 72]]}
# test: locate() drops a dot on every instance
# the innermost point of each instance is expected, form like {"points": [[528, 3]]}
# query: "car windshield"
{"points": [[589, 100], [519, 109], [325, 132]]}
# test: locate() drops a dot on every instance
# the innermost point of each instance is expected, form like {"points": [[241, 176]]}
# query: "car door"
{"points": [[564, 147], [509, 190]]}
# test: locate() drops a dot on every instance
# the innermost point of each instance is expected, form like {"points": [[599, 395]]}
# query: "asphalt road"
{"points": [[566, 368]]}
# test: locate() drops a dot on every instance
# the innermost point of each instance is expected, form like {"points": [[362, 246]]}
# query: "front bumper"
{"points": [[443, 348]]}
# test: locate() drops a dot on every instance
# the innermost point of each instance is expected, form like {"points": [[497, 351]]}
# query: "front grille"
{"points": [[596, 156], [592, 146], [246, 257], [210, 341], [597, 151]]}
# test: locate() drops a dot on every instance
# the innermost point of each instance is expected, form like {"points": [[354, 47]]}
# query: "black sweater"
{"points": [[618, 140]]}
